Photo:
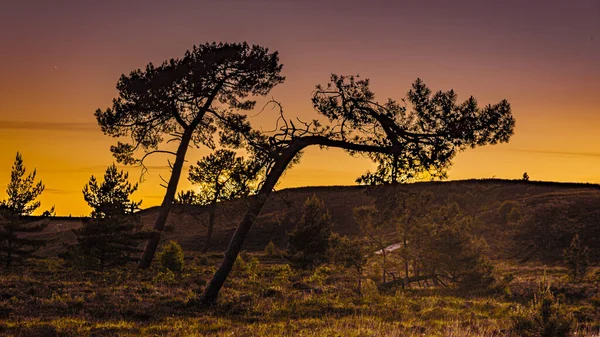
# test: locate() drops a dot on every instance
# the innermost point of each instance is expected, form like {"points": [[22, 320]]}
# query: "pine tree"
{"points": [[309, 242], [221, 176], [114, 232], [350, 254], [22, 193]]}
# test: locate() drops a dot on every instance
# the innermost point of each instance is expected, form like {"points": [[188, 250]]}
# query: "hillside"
{"points": [[479, 198], [562, 209]]}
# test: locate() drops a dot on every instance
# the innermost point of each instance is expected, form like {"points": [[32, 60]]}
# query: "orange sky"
{"points": [[60, 60]]}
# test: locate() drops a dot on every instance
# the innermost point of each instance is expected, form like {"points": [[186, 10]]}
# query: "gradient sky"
{"points": [[60, 61]]}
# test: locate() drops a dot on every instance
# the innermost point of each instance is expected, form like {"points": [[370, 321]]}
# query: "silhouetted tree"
{"points": [[430, 134], [179, 99], [22, 190], [221, 176], [525, 176], [113, 233], [22, 193], [309, 240]]}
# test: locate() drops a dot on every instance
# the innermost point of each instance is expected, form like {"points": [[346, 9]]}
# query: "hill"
{"points": [[573, 205], [550, 213]]}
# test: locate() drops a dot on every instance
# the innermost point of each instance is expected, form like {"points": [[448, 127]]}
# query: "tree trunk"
{"points": [[211, 225], [165, 208], [209, 297]]}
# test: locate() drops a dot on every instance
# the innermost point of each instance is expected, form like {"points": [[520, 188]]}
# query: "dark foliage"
{"points": [[548, 226], [171, 257], [114, 232], [309, 242], [543, 317], [22, 191], [462, 124], [180, 99], [221, 176]]}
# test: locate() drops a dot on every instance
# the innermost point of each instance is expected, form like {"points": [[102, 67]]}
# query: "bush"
{"points": [[543, 317], [246, 266], [171, 257], [271, 250]]}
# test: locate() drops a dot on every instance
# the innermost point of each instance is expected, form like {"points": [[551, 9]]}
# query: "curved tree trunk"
{"points": [[165, 208], [209, 297], [211, 226]]}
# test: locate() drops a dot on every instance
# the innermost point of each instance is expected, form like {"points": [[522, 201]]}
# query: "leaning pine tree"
{"points": [[22, 193], [113, 233], [427, 136], [179, 100]]}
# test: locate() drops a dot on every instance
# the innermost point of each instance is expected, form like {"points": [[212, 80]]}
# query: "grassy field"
{"points": [[267, 298]]}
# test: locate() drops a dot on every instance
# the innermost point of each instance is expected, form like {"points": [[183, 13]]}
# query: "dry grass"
{"points": [[53, 300]]}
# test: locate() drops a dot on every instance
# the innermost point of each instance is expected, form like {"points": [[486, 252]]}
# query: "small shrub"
{"points": [[320, 275], [246, 266], [271, 250], [283, 275], [543, 317], [171, 257]]}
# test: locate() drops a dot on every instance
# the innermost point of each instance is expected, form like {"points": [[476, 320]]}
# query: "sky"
{"points": [[60, 61]]}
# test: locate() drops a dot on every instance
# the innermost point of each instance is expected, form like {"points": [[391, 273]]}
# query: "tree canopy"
{"points": [[113, 233], [178, 101], [22, 191], [172, 98], [220, 176]]}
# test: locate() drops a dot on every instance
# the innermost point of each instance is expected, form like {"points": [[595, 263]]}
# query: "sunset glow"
{"points": [[60, 61]]}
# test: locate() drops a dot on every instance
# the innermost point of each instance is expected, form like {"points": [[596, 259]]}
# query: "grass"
{"points": [[268, 298], [265, 299]]}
